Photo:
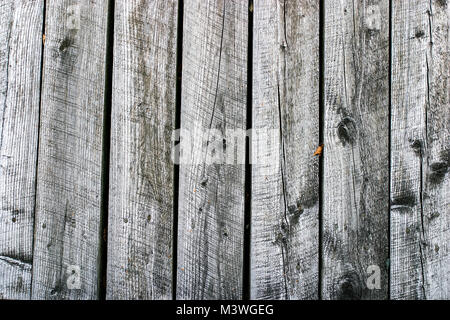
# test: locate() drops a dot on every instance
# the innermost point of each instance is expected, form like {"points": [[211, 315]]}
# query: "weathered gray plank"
{"points": [[211, 199], [285, 182], [68, 198], [20, 68], [141, 180], [356, 151], [420, 219]]}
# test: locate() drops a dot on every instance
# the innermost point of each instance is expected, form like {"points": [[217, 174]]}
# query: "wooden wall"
{"points": [[346, 198]]}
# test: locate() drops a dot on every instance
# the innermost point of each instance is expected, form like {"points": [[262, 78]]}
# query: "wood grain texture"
{"points": [[420, 219], [68, 198], [211, 199], [285, 182], [356, 152], [141, 179], [20, 66]]}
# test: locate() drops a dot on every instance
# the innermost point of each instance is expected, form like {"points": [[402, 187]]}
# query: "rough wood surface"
{"points": [[285, 182], [420, 218], [376, 184], [20, 66], [356, 152], [141, 181], [211, 199], [68, 198]]}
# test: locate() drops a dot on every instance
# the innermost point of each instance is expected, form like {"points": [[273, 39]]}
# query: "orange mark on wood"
{"points": [[43, 38], [318, 151]]}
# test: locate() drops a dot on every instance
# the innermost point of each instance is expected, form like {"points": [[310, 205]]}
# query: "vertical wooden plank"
{"points": [[356, 153], [211, 199], [285, 181], [141, 180], [20, 69], [68, 198], [420, 220]]}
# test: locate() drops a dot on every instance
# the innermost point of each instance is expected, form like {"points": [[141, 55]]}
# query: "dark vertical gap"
{"points": [[44, 11], [176, 167], [321, 130], [248, 167], [389, 147], [106, 144]]}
